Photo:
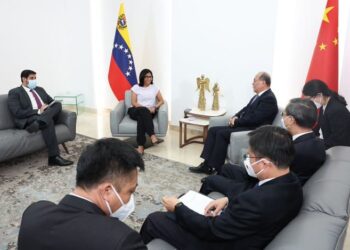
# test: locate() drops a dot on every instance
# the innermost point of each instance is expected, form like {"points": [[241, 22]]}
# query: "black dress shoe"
{"points": [[202, 168], [59, 161], [33, 127]]}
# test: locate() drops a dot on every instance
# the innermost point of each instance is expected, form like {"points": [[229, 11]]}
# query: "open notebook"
{"points": [[195, 201]]}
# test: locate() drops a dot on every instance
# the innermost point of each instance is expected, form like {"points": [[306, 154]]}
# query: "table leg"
{"points": [[180, 135], [205, 133]]}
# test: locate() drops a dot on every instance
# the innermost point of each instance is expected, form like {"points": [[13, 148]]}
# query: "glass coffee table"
{"points": [[71, 99]]}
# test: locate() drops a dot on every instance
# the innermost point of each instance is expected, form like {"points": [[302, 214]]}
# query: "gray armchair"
{"points": [[123, 126], [239, 140]]}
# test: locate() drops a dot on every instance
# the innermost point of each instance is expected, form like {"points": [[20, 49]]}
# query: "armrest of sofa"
{"points": [[116, 116], [69, 119], [163, 119], [218, 121], [239, 143]]}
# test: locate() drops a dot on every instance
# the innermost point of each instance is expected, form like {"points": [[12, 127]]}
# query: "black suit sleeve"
{"points": [[241, 218], [266, 108], [337, 126], [44, 95], [15, 107], [133, 241]]}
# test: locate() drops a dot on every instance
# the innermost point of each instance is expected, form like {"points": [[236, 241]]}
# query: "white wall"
{"points": [[69, 44], [228, 41], [50, 37]]}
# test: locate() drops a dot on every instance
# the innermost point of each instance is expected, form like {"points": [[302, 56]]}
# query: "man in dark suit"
{"points": [[91, 216], [260, 110], [248, 219], [30, 108], [299, 117]]}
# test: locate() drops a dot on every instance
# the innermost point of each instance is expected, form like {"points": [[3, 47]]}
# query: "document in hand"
{"points": [[195, 201]]}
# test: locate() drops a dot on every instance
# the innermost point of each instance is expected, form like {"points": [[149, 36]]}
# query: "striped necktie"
{"points": [[36, 97]]}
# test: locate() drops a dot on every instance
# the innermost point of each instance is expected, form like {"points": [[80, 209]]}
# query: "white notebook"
{"points": [[195, 201]]}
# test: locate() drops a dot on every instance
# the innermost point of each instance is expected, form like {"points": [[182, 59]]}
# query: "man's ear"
{"points": [[266, 162], [105, 190]]}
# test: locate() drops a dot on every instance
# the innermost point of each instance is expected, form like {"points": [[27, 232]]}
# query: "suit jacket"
{"points": [[21, 107], [251, 219], [73, 224], [260, 112], [335, 124], [310, 154]]}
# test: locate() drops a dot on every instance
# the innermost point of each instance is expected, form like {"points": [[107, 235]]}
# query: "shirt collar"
{"points": [[298, 135], [264, 181], [262, 92]]}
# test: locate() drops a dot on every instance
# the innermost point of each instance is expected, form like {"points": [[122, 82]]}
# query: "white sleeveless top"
{"points": [[146, 96]]}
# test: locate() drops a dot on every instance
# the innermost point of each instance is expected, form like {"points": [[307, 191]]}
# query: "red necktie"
{"points": [[36, 97]]}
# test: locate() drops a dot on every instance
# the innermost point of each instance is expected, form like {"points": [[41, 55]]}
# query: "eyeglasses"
{"points": [[246, 156]]}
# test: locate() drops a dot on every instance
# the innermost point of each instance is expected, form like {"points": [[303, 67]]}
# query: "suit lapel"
{"points": [[25, 98]]}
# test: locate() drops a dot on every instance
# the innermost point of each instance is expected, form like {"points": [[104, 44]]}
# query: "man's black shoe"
{"points": [[202, 168], [59, 161], [33, 127]]}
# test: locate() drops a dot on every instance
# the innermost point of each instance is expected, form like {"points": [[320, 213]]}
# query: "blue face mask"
{"points": [[32, 84]]}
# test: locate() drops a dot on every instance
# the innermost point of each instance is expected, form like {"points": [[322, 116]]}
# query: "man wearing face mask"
{"points": [[250, 217], [91, 216], [29, 105]]}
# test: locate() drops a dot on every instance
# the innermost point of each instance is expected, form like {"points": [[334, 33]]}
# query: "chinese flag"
{"points": [[324, 63]]}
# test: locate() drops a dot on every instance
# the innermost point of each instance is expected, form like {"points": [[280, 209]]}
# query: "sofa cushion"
{"points": [[17, 142], [6, 120], [311, 230], [328, 190]]}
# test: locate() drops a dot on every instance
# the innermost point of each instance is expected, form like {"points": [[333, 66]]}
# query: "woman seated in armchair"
{"points": [[146, 100]]}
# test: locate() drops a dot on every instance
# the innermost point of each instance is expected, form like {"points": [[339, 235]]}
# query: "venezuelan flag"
{"points": [[122, 73]]}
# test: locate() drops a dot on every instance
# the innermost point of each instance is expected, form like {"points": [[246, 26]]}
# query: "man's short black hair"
{"points": [[106, 159], [274, 143], [25, 73], [265, 77], [304, 112]]}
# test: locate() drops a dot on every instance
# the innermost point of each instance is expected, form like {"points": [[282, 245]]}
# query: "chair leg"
{"points": [[65, 148]]}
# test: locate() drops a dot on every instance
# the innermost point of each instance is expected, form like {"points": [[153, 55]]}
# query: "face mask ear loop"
{"points": [[116, 193]]}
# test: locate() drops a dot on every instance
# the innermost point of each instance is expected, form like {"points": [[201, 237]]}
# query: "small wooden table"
{"points": [[195, 117]]}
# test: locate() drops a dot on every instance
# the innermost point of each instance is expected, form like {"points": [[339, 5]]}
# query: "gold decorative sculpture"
{"points": [[202, 85], [216, 90]]}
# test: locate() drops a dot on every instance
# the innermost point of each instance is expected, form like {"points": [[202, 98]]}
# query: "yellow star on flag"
{"points": [[335, 41], [325, 14], [322, 46]]}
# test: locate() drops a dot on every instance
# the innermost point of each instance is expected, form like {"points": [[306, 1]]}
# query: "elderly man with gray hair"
{"points": [[299, 117]]}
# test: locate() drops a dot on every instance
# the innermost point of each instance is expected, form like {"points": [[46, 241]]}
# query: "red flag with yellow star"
{"points": [[324, 63]]}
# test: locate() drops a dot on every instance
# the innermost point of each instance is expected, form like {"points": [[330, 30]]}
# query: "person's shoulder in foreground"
{"points": [[249, 219], [91, 216]]}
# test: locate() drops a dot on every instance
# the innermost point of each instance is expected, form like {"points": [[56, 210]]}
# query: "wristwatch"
{"points": [[179, 204]]}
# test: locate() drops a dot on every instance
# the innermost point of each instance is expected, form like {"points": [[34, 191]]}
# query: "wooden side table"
{"points": [[184, 122], [196, 117]]}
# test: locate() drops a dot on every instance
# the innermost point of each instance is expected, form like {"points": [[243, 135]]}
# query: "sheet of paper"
{"points": [[195, 201]]}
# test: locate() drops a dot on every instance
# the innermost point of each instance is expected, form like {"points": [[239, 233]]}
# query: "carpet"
{"points": [[28, 179], [132, 141]]}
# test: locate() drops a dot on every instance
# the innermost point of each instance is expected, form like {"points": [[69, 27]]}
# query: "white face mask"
{"points": [[249, 168], [32, 84], [283, 124], [125, 210], [318, 105]]}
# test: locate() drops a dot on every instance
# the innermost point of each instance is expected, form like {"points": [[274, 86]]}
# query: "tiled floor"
{"points": [[97, 126]]}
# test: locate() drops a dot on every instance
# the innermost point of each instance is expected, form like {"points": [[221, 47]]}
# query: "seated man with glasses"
{"points": [[299, 117], [247, 219]]}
